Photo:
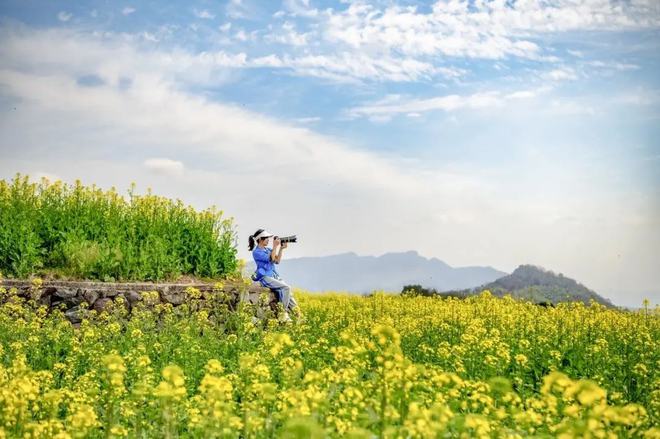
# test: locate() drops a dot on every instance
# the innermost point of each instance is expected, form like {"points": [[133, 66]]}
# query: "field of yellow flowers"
{"points": [[360, 367]]}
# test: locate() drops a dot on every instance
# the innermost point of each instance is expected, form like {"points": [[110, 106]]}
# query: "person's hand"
{"points": [[276, 242], [284, 245]]}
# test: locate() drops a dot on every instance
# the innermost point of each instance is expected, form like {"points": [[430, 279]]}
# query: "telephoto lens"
{"points": [[292, 238]]}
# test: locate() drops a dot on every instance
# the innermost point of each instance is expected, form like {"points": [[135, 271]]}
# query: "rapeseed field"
{"points": [[362, 367], [85, 232]]}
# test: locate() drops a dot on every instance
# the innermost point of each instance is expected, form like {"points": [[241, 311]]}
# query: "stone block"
{"points": [[101, 304], [132, 297], [173, 296], [91, 296], [75, 314], [66, 293]]}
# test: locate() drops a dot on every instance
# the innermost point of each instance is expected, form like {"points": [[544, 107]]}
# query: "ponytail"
{"points": [[251, 241]]}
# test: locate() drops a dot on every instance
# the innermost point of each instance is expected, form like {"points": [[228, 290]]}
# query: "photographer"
{"points": [[266, 258]]}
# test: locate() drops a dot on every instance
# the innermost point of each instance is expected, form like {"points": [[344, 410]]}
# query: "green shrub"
{"points": [[86, 232]]}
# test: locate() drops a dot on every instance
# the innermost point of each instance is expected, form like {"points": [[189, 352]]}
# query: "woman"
{"points": [[266, 258]]}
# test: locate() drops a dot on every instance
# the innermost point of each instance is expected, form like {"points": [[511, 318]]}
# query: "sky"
{"points": [[480, 132]]}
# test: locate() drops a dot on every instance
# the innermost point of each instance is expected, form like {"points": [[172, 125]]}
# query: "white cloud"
{"points": [[241, 35], [164, 166], [64, 16], [450, 30], [384, 109], [308, 120], [561, 74], [237, 9], [492, 29], [352, 67], [300, 8], [128, 10], [620, 66], [152, 112], [525, 94], [203, 14], [287, 34]]}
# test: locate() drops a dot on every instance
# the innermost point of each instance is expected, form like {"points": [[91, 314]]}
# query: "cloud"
{"points": [[300, 8], [308, 120], [64, 16], [287, 35], [154, 113], [164, 166], [237, 9], [491, 30], [203, 14], [392, 105], [128, 10], [620, 66], [349, 67], [164, 120], [561, 74], [364, 42]]}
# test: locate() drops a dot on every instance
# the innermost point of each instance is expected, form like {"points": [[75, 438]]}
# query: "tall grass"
{"points": [[87, 232]]}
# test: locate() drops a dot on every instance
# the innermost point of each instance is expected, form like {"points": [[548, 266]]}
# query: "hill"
{"points": [[389, 272], [539, 285]]}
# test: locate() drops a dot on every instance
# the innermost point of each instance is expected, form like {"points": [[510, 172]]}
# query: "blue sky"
{"points": [[479, 132]]}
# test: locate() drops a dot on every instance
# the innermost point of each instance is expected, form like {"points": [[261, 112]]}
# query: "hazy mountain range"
{"points": [[392, 271], [389, 272]]}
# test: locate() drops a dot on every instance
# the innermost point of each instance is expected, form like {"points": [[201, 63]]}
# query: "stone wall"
{"points": [[69, 295]]}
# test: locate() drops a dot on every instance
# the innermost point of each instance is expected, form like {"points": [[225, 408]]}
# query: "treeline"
{"points": [[418, 290], [86, 232]]}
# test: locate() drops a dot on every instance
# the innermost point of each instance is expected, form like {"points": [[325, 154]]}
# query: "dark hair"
{"points": [[251, 241]]}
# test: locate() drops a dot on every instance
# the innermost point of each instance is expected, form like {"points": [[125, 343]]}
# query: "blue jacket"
{"points": [[265, 267]]}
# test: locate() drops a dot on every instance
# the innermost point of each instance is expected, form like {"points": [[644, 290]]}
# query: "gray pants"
{"points": [[284, 291]]}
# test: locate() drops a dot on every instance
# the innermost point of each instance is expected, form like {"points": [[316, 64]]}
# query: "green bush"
{"points": [[86, 232]]}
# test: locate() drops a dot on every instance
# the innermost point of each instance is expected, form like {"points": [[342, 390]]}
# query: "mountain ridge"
{"points": [[536, 284], [389, 271]]}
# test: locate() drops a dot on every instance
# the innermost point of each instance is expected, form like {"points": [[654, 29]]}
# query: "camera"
{"points": [[283, 239]]}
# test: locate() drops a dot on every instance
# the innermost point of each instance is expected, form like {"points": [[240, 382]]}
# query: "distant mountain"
{"points": [[539, 285], [389, 272]]}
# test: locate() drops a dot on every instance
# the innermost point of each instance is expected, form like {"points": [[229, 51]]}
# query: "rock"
{"points": [[75, 314], [253, 297], [68, 303], [101, 304], [66, 293], [45, 299], [175, 297], [132, 297], [91, 296], [48, 291], [110, 293], [256, 287], [70, 297]]}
